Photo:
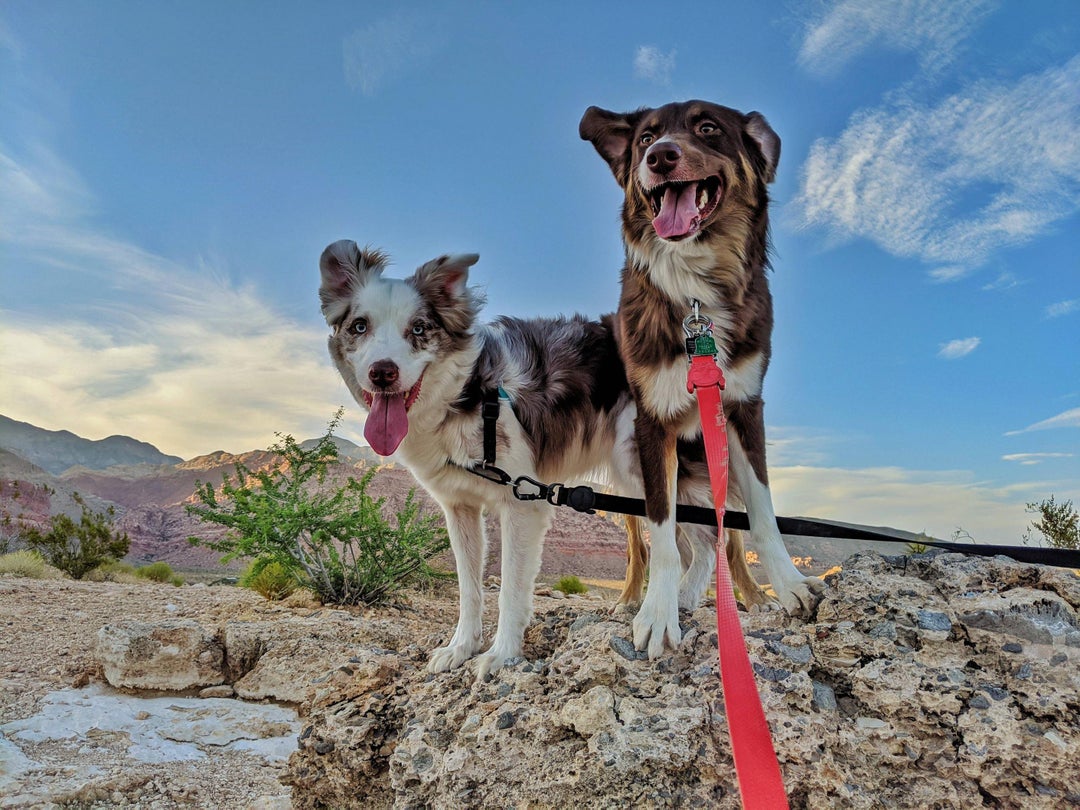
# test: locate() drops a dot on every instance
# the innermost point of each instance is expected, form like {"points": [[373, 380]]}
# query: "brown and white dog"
{"points": [[695, 226]]}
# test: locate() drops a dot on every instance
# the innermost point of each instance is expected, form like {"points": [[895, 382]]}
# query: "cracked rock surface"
{"points": [[937, 681], [934, 681]]}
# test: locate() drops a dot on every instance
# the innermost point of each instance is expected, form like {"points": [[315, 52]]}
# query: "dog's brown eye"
{"points": [[647, 138], [359, 327]]}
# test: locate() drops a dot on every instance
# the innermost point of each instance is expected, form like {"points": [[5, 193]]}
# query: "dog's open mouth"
{"points": [[388, 418], [679, 207]]}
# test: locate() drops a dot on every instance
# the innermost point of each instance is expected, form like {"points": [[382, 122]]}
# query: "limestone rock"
{"points": [[927, 681], [170, 655]]}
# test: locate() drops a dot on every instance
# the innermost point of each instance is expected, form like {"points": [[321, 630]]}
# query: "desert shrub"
{"points": [[156, 572], [269, 578], [334, 540], [23, 563], [570, 585], [79, 548], [1058, 523]]}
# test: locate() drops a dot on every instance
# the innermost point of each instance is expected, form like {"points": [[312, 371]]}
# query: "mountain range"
{"points": [[58, 450], [41, 470]]}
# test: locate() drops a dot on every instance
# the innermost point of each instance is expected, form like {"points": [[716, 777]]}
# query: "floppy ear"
{"points": [[612, 134], [445, 276], [345, 268], [767, 141]]}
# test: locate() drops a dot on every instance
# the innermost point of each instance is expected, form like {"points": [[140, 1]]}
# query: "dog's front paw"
{"points": [[449, 657], [657, 624], [801, 598], [493, 659], [769, 605], [758, 600]]}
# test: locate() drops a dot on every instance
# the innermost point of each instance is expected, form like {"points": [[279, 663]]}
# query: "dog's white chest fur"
{"points": [[667, 397]]}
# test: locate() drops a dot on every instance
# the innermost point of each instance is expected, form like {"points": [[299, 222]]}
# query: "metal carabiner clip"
{"points": [[541, 493], [696, 324]]}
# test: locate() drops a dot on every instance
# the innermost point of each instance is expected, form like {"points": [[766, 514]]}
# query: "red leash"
{"points": [[761, 784]]}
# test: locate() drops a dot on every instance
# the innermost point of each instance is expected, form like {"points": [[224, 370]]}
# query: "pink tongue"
{"points": [[387, 423], [678, 211]]}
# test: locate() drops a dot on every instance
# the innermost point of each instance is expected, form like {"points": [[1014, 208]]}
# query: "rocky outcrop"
{"points": [[931, 681], [170, 656]]}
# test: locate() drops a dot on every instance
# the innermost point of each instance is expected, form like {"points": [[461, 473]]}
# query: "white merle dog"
{"points": [[412, 353]]}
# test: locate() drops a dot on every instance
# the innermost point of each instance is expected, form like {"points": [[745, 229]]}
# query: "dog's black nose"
{"points": [[383, 373], [663, 157]]}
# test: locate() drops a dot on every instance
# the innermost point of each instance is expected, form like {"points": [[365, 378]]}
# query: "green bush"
{"points": [[570, 585], [23, 563], [1058, 523], [334, 541], [156, 571], [269, 578], [79, 548]]}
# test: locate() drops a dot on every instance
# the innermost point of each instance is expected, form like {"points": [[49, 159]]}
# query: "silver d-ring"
{"points": [[695, 324]]}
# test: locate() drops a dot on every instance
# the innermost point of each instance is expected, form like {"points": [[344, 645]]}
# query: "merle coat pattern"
{"points": [[412, 351]]}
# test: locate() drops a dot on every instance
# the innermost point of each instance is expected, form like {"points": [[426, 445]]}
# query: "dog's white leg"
{"points": [[657, 622], [467, 539], [697, 543], [796, 592], [698, 574], [523, 527]]}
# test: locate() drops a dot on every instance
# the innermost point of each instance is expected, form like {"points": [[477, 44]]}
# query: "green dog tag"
{"points": [[704, 345]]}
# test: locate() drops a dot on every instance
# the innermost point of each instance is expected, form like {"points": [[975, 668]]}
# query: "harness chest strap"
{"points": [[489, 412]]}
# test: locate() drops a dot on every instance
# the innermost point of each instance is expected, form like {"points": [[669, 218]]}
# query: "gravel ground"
{"points": [[49, 676], [47, 632]]}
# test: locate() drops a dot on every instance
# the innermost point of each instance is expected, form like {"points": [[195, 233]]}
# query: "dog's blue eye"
{"points": [[418, 329], [708, 128], [359, 327]]}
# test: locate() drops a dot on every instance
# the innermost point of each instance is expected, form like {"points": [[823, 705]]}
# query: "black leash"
{"points": [[587, 500]]}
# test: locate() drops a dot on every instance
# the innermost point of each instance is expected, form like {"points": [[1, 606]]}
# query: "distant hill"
{"points": [[348, 451], [149, 492], [56, 451]]}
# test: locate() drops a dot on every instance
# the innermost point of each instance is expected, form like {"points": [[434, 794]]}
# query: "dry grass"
{"points": [[30, 564]]}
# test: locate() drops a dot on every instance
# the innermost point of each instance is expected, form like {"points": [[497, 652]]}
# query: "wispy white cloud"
{"points": [[1031, 459], [951, 183], [387, 47], [1063, 307], [788, 446], [955, 349], [847, 28], [1005, 281], [652, 64], [185, 358], [1066, 419], [936, 502], [188, 386]]}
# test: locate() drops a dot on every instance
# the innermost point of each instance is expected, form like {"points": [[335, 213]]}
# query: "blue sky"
{"points": [[169, 174]]}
